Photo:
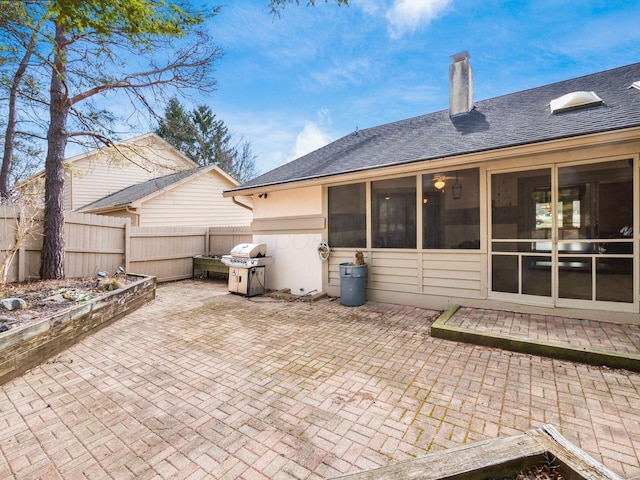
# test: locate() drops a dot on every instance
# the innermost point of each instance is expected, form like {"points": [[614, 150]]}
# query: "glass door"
{"points": [[521, 234], [564, 235], [595, 233]]}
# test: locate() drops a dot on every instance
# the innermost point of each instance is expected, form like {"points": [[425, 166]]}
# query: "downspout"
{"points": [[240, 204], [134, 214]]}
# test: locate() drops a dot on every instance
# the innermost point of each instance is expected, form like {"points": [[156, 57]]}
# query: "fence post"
{"points": [[127, 245]]}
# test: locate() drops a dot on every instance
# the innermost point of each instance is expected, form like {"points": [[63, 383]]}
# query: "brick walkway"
{"points": [[202, 385]]}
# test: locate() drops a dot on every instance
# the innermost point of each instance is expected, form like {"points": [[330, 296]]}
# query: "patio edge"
{"points": [[440, 329]]}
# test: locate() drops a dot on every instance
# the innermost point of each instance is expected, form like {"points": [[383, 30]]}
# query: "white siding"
{"points": [[198, 201], [287, 222], [104, 172]]}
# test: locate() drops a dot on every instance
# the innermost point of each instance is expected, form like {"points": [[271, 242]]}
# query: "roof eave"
{"points": [[583, 140]]}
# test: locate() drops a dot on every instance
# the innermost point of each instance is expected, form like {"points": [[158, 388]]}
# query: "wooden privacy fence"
{"points": [[167, 252], [96, 243]]}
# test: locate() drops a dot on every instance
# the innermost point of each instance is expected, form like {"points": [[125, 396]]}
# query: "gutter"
{"points": [[589, 139], [240, 204]]}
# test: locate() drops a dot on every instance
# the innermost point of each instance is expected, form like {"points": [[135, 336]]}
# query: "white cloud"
{"points": [[406, 16], [309, 139], [312, 135], [279, 136]]}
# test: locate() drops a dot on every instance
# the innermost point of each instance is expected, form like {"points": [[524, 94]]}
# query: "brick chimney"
{"points": [[460, 85]]}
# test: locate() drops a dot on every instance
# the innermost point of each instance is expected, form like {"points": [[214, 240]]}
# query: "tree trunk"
{"points": [[52, 261], [10, 134], [8, 151]]}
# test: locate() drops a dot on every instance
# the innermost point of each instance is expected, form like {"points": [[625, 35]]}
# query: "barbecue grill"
{"points": [[247, 264]]}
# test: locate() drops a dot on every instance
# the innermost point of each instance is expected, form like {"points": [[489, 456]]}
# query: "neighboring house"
{"points": [[528, 201], [149, 181]]}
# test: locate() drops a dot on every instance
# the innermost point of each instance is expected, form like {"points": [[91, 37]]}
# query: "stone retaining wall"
{"points": [[26, 347]]}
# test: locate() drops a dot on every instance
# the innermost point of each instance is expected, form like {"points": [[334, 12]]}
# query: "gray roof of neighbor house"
{"points": [[510, 120], [136, 192]]}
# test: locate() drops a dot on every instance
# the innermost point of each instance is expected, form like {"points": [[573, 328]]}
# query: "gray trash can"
{"points": [[353, 280]]}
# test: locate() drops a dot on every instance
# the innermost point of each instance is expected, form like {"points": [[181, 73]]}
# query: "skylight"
{"points": [[574, 100]]}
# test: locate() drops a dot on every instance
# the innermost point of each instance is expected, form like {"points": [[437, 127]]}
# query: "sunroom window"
{"points": [[451, 209], [348, 216], [394, 213]]}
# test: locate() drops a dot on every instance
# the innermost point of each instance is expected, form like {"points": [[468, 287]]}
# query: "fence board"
{"points": [[93, 243], [166, 252], [26, 263], [96, 243], [223, 239]]}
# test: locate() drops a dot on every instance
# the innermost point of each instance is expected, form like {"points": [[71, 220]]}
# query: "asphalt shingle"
{"points": [[515, 119], [138, 191]]}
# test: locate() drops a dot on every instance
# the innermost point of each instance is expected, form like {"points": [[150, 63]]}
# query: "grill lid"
{"points": [[249, 250]]}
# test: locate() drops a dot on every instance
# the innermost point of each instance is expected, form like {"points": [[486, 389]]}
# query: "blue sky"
{"points": [[292, 84]]}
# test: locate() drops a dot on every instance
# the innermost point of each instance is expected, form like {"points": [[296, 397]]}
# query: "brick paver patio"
{"points": [[203, 385], [587, 334]]}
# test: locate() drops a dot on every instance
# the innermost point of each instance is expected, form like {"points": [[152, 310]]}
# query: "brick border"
{"points": [[26, 347], [440, 329]]}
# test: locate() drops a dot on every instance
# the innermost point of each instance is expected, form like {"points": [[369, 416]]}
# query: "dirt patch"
{"points": [[46, 297]]}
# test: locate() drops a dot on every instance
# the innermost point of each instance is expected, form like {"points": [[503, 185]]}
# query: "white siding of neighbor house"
{"points": [[123, 213], [198, 201], [105, 172]]}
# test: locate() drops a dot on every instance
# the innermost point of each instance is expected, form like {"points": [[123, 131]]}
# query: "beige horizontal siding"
{"points": [[393, 270], [288, 224], [196, 202], [105, 172], [455, 274], [335, 259]]}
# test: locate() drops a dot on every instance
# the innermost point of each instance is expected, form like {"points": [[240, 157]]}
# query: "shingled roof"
{"points": [[510, 120], [132, 194]]}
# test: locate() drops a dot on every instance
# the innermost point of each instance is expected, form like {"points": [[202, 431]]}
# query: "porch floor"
{"points": [[585, 341]]}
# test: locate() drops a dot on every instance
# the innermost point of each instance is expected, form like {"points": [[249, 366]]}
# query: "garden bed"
{"points": [[31, 344], [501, 458]]}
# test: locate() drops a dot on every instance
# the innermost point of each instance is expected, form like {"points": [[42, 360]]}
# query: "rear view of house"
{"points": [[525, 201]]}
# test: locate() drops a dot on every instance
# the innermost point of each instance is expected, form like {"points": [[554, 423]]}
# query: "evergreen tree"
{"points": [[206, 140]]}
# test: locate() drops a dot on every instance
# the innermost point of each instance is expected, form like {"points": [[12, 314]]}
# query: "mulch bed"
{"points": [[46, 297]]}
